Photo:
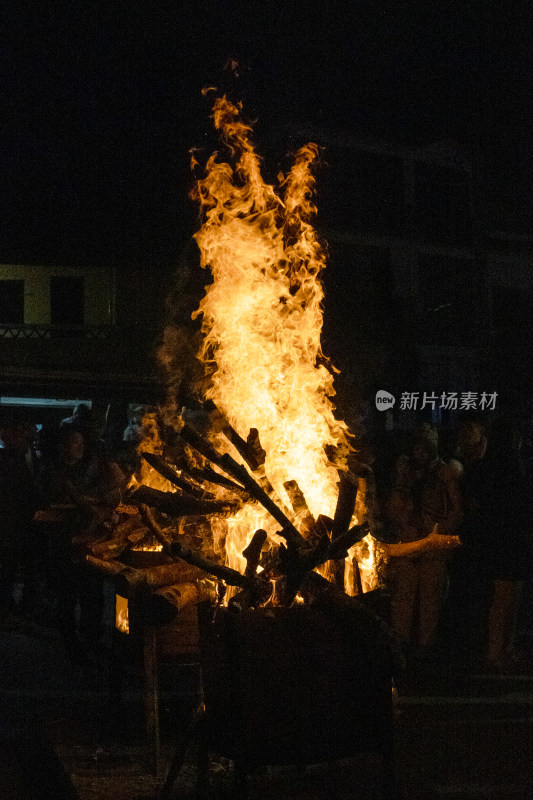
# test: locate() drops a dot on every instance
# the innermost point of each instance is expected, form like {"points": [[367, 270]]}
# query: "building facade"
{"points": [[71, 332], [420, 289]]}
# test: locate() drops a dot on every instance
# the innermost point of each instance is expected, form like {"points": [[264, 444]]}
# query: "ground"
{"points": [[459, 734]]}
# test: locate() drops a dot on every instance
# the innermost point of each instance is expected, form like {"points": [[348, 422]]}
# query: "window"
{"points": [[67, 304], [12, 302]]}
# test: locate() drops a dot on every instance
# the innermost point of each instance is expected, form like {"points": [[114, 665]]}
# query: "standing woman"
{"points": [[425, 499]]}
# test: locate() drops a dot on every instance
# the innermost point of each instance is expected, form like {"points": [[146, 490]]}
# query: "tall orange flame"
{"points": [[262, 314]]}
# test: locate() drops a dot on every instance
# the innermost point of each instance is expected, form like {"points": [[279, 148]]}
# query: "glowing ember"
{"points": [[121, 614], [148, 548]]}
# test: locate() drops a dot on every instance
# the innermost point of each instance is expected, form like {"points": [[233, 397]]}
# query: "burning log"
{"points": [[230, 576], [208, 474], [322, 525], [299, 505], [176, 505], [345, 504], [344, 510], [168, 472], [131, 581], [241, 474], [296, 565], [261, 589], [194, 439], [339, 547], [357, 574], [250, 449], [289, 532], [252, 553], [244, 448], [254, 443], [249, 598]]}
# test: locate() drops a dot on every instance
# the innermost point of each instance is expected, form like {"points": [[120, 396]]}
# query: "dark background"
{"points": [[102, 102]]}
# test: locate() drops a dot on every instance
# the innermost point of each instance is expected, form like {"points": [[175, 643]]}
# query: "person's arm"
{"points": [[431, 542]]}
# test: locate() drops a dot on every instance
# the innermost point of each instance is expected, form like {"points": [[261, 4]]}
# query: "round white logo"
{"points": [[384, 400]]}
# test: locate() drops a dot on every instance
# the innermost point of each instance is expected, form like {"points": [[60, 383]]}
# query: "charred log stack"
{"points": [[176, 526]]}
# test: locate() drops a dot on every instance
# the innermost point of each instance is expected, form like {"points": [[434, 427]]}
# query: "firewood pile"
{"points": [[210, 485]]}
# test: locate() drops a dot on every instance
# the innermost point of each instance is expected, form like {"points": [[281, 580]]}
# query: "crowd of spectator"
{"points": [[468, 600], [56, 482]]}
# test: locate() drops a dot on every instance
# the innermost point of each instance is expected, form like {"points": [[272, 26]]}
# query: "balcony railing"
{"points": [[37, 331]]}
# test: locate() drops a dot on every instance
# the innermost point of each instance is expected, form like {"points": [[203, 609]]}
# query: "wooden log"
{"points": [[357, 576], [343, 514], [111, 568], [167, 574], [230, 576], [243, 448], [249, 598], [208, 474], [119, 541], [289, 532], [339, 547], [161, 607], [169, 473], [194, 439], [323, 525], [174, 547], [345, 504], [299, 506], [161, 535], [295, 565], [241, 474], [249, 449], [254, 442], [133, 581], [130, 523], [261, 590], [138, 536], [252, 553], [176, 505]]}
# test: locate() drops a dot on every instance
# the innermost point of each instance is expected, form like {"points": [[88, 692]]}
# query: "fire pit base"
{"points": [[290, 686]]}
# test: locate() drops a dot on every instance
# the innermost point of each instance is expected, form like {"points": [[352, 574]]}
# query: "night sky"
{"points": [[102, 103]]}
